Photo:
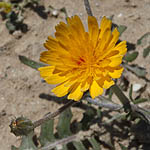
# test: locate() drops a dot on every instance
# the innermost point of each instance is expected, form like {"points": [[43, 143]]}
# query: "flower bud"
{"points": [[21, 126]]}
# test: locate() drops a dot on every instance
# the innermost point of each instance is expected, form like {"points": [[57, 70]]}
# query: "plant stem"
{"points": [[88, 8], [54, 114], [104, 103], [59, 142], [123, 99]]}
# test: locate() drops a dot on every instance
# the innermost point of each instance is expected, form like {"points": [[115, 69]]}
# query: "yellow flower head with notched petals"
{"points": [[80, 60]]}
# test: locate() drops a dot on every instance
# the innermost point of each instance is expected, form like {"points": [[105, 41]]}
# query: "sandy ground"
{"points": [[21, 86]]}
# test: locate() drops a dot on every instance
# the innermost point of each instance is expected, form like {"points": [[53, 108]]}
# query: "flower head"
{"points": [[80, 60], [7, 8]]}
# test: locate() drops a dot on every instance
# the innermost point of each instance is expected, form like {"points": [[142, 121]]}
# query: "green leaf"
{"points": [[63, 127], [94, 143], [110, 94], [88, 116], [27, 142], [99, 112], [143, 38], [14, 148], [79, 145], [130, 92], [139, 71], [10, 26], [121, 29], [140, 100], [31, 63], [131, 57], [122, 97], [46, 134], [64, 147], [103, 102], [115, 117], [146, 51], [123, 147]]}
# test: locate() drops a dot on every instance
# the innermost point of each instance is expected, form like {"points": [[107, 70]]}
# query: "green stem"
{"points": [[88, 8], [54, 114], [123, 99]]}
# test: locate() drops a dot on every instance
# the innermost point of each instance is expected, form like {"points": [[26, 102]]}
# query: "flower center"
{"points": [[81, 60], [87, 65]]}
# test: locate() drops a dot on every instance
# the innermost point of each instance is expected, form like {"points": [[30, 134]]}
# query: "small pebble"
{"points": [[136, 87], [55, 13], [17, 34], [97, 4], [3, 113], [81, 14], [120, 15]]}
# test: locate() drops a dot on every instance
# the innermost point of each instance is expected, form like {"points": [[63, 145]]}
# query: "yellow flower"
{"points": [[80, 60], [6, 7]]}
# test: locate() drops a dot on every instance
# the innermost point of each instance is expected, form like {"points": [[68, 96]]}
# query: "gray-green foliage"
{"points": [[138, 71], [131, 57], [48, 137], [141, 72], [31, 63], [47, 132], [121, 29], [63, 126], [144, 39], [146, 51], [26, 143], [79, 145]]}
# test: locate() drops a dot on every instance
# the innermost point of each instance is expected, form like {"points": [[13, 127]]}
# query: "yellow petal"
{"points": [[86, 84], [112, 53], [50, 58], [115, 37], [61, 90], [63, 39], [76, 27], [115, 61], [105, 72], [51, 43], [104, 63], [70, 82], [98, 73], [76, 92], [77, 22], [116, 54], [46, 71], [105, 24], [49, 76], [116, 73], [62, 28], [121, 47], [108, 82], [93, 30], [95, 89], [55, 79], [103, 42]]}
